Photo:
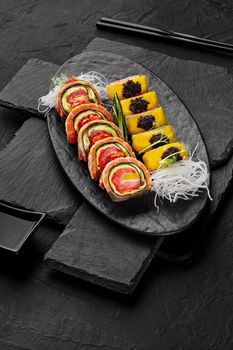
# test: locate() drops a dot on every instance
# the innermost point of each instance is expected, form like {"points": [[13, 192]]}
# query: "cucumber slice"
{"points": [[83, 114], [116, 144], [92, 95], [101, 127], [66, 93], [122, 166]]}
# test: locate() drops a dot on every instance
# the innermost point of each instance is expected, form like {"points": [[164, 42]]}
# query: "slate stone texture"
{"points": [[186, 308], [31, 176], [177, 249], [30, 82], [94, 249]]}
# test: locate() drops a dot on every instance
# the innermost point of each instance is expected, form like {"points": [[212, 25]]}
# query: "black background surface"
{"points": [[174, 307]]}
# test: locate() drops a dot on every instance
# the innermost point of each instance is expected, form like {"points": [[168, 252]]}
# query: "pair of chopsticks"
{"points": [[133, 28]]}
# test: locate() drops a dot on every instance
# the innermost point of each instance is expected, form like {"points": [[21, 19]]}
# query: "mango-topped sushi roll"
{"points": [[145, 121], [139, 104], [164, 156], [153, 138], [128, 87]]}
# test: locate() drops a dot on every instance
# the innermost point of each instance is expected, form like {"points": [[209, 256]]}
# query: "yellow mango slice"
{"points": [[122, 88], [130, 176], [153, 158], [155, 118], [139, 104], [145, 139]]}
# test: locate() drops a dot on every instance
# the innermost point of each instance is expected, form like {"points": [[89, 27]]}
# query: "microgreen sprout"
{"points": [[162, 139]]}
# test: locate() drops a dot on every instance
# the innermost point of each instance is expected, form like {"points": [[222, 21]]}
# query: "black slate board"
{"points": [[139, 216], [30, 82], [10, 122], [94, 249], [31, 177]]}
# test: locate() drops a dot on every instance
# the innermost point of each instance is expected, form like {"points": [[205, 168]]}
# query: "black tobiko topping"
{"points": [[170, 151], [160, 140], [147, 122], [131, 89], [138, 105]]}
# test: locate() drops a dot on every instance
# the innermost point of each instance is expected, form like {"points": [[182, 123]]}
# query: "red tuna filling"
{"points": [[126, 180], [82, 102], [97, 135], [76, 96], [108, 154], [88, 118]]}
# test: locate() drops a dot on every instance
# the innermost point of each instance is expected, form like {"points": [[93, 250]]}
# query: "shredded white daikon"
{"points": [[98, 80], [184, 179]]}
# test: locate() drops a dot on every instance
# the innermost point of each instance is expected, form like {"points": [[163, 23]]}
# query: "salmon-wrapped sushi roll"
{"points": [[75, 92], [124, 178], [139, 104], [104, 151], [164, 156], [145, 121], [94, 131], [128, 87], [153, 138], [82, 115]]}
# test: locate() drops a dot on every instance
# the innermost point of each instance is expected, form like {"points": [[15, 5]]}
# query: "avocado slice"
{"points": [[100, 127]]}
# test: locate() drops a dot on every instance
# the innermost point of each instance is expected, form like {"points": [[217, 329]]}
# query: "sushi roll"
{"points": [[164, 156], [153, 138], [152, 119], [94, 131], [139, 104], [75, 92], [124, 178], [104, 151], [128, 87], [80, 116]]}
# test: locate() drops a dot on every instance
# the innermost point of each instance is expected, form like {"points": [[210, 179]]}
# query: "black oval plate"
{"points": [[137, 214]]}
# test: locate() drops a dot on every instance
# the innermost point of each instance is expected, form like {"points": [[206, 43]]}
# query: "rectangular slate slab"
{"points": [[32, 178], [96, 250], [205, 89], [10, 122], [31, 82]]}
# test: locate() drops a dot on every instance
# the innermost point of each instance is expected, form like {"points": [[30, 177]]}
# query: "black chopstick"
{"points": [[162, 31], [109, 23]]}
